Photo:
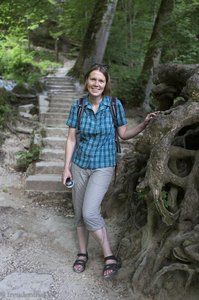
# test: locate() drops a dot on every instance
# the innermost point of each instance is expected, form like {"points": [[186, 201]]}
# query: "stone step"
{"points": [[56, 132], [54, 142], [60, 104], [59, 110], [52, 154], [63, 89], [65, 96], [53, 116], [49, 167], [61, 101], [56, 86], [59, 79], [65, 92], [60, 93], [55, 122], [45, 183], [51, 87]]}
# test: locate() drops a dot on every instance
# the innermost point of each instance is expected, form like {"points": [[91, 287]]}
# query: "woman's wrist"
{"points": [[67, 165]]}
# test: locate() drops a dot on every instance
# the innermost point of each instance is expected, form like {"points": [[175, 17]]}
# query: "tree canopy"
{"points": [[62, 24]]}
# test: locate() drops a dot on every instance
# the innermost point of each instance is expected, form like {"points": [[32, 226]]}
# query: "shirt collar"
{"points": [[105, 102]]}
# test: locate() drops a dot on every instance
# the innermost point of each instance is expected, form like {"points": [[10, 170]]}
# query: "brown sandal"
{"points": [[80, 262]]}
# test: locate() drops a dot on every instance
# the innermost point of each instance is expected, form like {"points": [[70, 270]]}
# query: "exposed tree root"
{"points": [[190, 269], [159, 186]]}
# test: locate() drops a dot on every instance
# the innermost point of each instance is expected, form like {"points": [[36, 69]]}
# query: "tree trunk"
{"points": [[56, 47], [153, 54], [130, 20], [96, 37]]}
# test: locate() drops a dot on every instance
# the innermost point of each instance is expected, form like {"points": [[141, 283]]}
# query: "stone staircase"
{"points": [[61, 92]]}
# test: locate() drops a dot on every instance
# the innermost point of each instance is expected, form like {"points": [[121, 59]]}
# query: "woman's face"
{"points": [[96, 83]]}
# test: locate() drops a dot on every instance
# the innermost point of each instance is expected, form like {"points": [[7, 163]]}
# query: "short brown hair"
{"points": [[104, 70]]}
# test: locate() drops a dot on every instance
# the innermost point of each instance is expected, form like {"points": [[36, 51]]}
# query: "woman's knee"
{"points": [[87, 217], [93, 221]]}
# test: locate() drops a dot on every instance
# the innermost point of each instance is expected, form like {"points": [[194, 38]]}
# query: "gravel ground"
{"points": [[38, 246]]}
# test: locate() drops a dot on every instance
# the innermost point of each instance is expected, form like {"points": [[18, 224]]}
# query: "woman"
{"points": [[90, 163]]}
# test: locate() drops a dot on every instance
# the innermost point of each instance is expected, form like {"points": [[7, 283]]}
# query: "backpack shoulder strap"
{"points": [[113, 109], [80, 111]]}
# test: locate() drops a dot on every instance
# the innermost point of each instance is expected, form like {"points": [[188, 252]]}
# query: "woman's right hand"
{"points": [[66, 174]]}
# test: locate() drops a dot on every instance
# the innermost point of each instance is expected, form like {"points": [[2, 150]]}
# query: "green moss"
{"points": [[25, 158], [43, 132], [195, 95]]}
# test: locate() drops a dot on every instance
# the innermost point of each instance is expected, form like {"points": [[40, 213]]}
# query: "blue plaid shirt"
{"points": [[96, 147]]}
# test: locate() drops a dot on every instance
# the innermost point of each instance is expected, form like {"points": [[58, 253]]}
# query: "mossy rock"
{"points": [[6, 97], [38, 86], [24, 89]]}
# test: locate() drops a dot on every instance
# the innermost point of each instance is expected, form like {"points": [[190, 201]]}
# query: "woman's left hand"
{"points": [[151, 116]]}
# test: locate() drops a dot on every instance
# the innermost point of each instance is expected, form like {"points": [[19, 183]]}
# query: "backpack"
{"points": [[113, 109]]}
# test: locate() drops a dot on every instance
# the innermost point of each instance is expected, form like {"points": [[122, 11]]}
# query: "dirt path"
{"points": [[38, 246], [38, 242]]}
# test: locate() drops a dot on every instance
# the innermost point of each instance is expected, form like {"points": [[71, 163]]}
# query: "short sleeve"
{"points": [[121, 116], [72, 117]]}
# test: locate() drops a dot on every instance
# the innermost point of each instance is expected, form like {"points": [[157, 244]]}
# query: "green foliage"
{"points": [[178, 101], [47, 66], [126, 87], [18, 63], [6, 97], [141, 195], [132, 26], [5, 110], [164, 198], [17, 20], [127, 45], [128, 41], [163, 195], [43, 132], [25, 158], [25, 15], [73, 53], [6, 100], [12, 53], [180, 44], [74, 16]]}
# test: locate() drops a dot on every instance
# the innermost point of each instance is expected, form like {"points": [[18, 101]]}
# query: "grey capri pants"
{"points": [[90, 186]]}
